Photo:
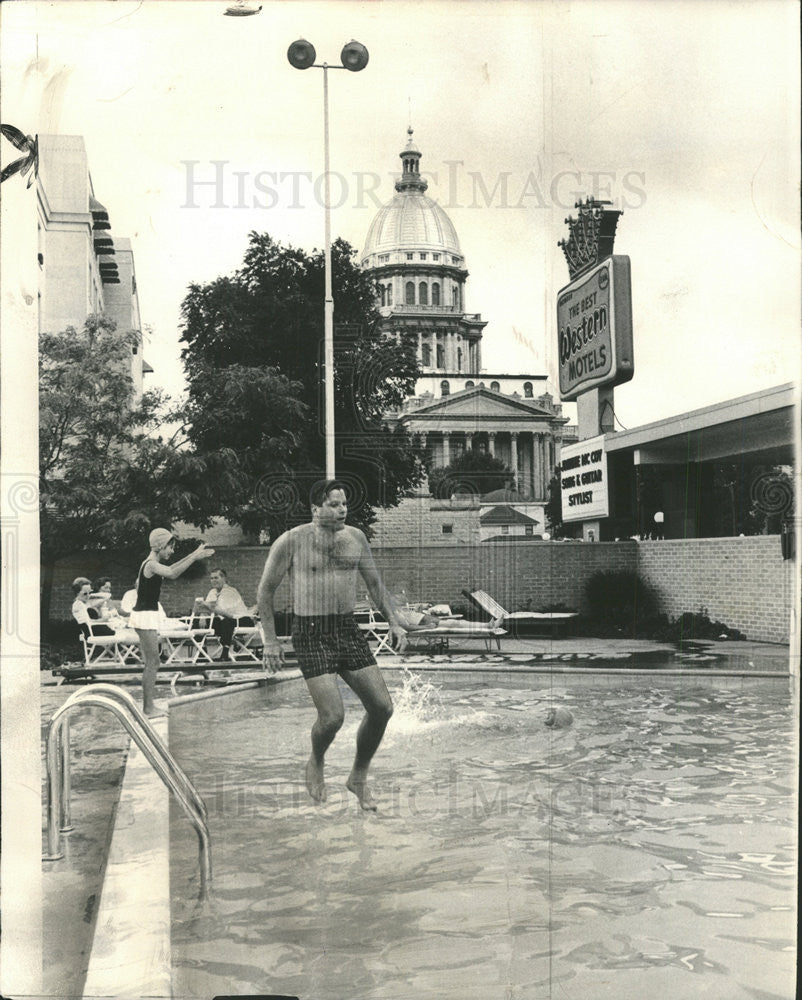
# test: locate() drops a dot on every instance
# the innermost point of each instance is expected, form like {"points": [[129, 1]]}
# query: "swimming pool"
{"points": [[647, 850]]}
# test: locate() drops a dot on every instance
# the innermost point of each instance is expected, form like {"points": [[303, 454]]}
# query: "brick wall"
{"points": [[418, 521], [743, 582]]}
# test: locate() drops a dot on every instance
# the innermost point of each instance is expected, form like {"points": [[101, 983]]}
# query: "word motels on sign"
{"points": [[594, 320], [583, 480]]}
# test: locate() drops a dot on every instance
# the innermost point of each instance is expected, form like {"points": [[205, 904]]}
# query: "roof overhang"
{"points": [[760, 424]]}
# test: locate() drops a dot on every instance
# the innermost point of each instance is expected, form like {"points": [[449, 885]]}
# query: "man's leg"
{"points": [[224, 628], [369, 685], [329, 704], [149, 646]]}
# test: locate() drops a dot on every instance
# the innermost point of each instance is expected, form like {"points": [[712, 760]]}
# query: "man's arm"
{"points": [[380, 595], [277, 565]]}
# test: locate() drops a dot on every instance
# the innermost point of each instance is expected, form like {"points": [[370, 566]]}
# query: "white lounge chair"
{"points": [[518, 621]]}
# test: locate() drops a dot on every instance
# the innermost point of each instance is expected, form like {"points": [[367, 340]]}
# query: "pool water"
{"points": [[647, 850]]}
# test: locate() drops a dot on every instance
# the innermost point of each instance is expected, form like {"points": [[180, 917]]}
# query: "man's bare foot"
{"points": [[359, 787], [314, 780]]}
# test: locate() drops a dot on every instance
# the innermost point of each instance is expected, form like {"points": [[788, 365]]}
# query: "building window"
{"points": [[529, 529], [455, 297], [410, 293], [448, 529], [505, 529], [426, 355], [435, 293], [389, 295], [459, 359], [495, 387], [435, 256], [410, 256], [423, 256], [441, 356], [445, 388], [527, 390], [469, 384], [423, 293]]}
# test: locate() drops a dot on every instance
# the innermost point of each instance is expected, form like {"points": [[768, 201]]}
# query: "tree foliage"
{"points": [[107, 476], [253, 358], [473, 471]]}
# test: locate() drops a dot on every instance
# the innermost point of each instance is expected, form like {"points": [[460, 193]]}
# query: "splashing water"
{"points": [[418, 703]]}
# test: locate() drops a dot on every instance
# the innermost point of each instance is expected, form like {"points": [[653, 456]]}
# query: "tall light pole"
{"points": [[354, 57]]}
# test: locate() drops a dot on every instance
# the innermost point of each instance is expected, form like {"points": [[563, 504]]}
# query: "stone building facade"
{"points": [[413, 251]]}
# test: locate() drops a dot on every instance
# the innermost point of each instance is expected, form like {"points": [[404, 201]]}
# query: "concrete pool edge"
{"points": [[130, 955], [131, 950]]}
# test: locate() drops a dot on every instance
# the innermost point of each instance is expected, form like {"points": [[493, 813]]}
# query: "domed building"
{"points": [[413, 251]]}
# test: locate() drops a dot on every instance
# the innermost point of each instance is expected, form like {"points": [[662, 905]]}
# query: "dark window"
{"points": [[389, 295], [445, 388], [528, 390], [469, 384], [448, 529], [441, 356], [410, 293], [423, 293], [494, 387], [436, 293], [426, 355]]}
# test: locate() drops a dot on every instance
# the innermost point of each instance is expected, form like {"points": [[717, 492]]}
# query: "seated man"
{"points": [[229, 609], [81, 606]]}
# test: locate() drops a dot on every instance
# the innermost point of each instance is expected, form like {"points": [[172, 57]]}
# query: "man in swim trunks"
{"points": [[323, 559]]}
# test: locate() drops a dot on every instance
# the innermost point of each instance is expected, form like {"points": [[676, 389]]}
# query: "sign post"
{"points": [[594, 324]]}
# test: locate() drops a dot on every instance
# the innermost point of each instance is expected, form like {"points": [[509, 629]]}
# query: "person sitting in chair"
{"points": [[229, 610], [84, 604]]}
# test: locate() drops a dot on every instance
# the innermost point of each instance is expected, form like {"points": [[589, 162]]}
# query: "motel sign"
{"points": [[594, 323]]}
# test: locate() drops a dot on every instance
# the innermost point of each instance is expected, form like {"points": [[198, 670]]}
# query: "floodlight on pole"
{"points": [[242, 9], [354, 57]]}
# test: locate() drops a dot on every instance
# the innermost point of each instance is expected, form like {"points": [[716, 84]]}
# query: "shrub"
{"points": [[620, 600]]}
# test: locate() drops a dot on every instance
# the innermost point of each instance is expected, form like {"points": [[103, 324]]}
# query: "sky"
{"points": [[685, 114]]}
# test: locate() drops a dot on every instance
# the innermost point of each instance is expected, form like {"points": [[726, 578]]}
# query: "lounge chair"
{"points": [[434, 637], [519, 622]]}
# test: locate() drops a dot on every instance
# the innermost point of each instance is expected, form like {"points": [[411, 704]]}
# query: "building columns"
{"points": [[446, 448], [514, 457], [491, 443]]}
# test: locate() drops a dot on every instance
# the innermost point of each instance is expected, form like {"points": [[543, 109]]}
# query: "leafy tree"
{"points": [[473, 471], [253, 358], [106, 473]]}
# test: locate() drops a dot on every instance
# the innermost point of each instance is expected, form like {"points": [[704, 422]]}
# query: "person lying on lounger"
{"points": [[419, 621]]}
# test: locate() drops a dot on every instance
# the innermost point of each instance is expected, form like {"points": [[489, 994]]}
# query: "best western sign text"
{"points": [[594, 320]]}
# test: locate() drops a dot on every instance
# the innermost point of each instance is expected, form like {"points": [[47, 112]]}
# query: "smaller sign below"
{"points": [[583, 480]]}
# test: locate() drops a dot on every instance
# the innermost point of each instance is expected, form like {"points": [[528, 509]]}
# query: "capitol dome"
{"points": [[411, 221]]}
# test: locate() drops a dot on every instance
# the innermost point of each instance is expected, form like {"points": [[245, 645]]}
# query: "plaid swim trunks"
{"points": [[329, 644]]}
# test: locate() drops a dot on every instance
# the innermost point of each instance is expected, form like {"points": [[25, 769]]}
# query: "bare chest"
{"points": [[325, 555]]}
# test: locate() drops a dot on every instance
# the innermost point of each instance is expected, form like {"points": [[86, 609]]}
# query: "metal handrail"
{"points": [[114, 692], [142, 735]]}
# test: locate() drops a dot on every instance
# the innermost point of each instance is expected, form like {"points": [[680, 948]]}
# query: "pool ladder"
{"points": [[121, 704]]}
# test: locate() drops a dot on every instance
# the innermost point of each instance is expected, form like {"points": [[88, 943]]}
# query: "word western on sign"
{"points": [[583, 480], [594, 320]]}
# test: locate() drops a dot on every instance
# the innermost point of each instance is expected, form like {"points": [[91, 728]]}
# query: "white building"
{"points": [[83, 268], [413, 251]]}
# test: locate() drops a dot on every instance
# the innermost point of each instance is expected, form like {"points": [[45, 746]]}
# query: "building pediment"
{"points": [[480, 403]]}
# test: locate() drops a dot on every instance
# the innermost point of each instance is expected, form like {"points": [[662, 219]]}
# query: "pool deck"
{"points": [[131, 949]]}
